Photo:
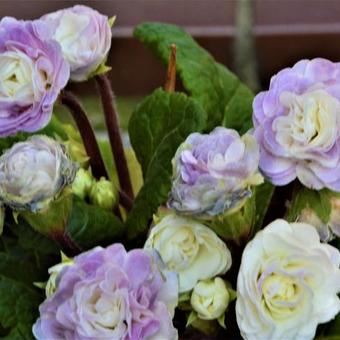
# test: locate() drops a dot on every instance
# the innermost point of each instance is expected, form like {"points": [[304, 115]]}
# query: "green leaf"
{"points": [[263, 196], [25, 257], [217, 89], [90, 226], [331, 330], [86, 225], [318, 201], [18, 308], [158, 126], [238, 111]]}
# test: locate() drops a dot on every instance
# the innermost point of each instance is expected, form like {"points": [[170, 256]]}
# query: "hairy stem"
{"points": [[87, 134], [112, 123], [67, 245], [90, 142], [170, 82]]}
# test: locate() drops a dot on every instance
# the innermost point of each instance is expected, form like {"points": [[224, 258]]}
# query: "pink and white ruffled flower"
{"points": [[84, 36], [111, 294], [213, 173], [32, 73], [297, 124]]}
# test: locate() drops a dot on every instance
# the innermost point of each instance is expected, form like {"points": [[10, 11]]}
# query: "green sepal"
{"points": [[318, 201], [184, 301], [221, 320], [52, 220], [191, 318], [112, 20], [101, 69], [236, 225]]}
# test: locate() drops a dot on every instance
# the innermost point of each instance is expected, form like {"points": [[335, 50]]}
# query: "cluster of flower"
{"points": [[288, 279], [39, 57]]}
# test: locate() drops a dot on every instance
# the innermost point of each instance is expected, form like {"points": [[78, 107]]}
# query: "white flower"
{"points": [[84, 36], [189, 248], [33, 172], [287, 283], [210, 298]]}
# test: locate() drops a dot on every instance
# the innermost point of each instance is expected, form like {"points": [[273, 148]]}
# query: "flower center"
{"points": [[106, 311], [281, 295], [184, 249], [16, 77], [311, 121]]}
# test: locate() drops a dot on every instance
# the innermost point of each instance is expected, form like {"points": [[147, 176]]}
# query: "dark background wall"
{"points": [[285, 31]]}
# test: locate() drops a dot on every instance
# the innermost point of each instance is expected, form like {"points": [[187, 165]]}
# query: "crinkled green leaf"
{"points": [[318, 201], [158, 126], [217, 89], [18, 308], [238, 111], [25, 257], [89, 225]]}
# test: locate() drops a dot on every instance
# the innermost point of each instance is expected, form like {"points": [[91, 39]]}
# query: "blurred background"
{"points": [[254, 38]]}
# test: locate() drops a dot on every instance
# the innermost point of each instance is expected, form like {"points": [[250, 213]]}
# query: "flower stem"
{"points": [[112, 123], [67, 245], [87, 134], [170, 82], [90, 142], [125, 200]]}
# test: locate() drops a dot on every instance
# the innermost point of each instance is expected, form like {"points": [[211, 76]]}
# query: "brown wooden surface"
{"points": [[285, 31]]}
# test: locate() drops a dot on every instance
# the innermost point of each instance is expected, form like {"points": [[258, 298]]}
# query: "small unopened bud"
{"points": [[82, 184], [210, 298], [103, 194]]}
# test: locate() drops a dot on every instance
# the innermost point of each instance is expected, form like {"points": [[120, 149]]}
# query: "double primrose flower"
{"points": [[33, 173]]}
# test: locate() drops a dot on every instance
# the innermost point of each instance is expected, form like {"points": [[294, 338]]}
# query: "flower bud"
{"points": [[103, 194], [34, 172], [52, 283], [85, 39], [214, 173], [210, 298], [326, 230], [82, 183], [77, 152]]}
